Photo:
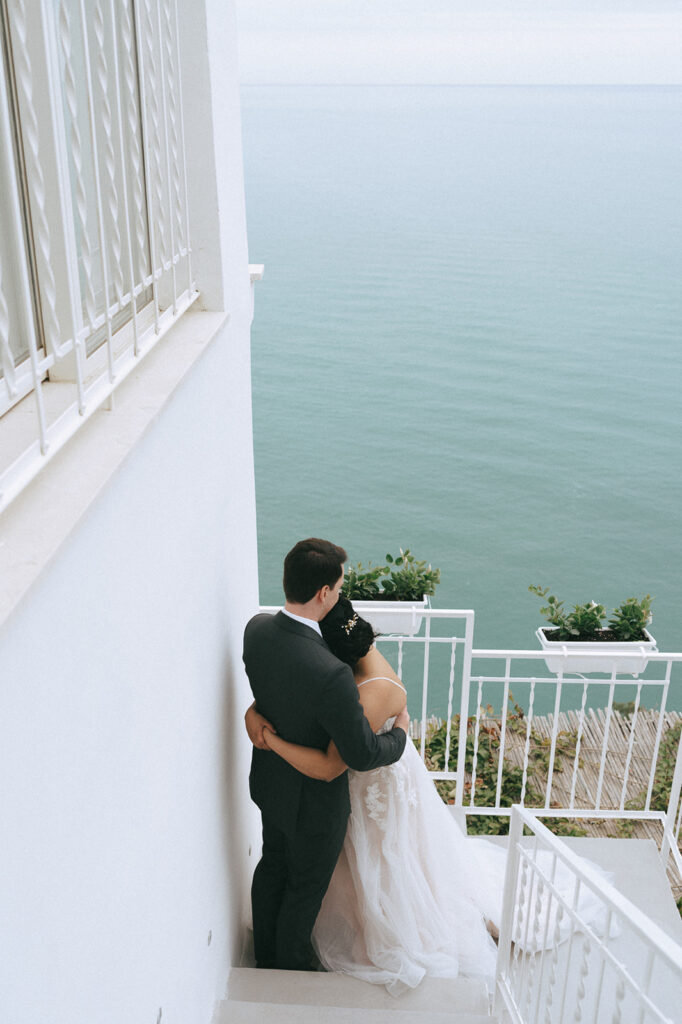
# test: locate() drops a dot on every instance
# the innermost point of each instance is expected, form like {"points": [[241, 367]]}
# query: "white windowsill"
{"points": [[39, 520]]}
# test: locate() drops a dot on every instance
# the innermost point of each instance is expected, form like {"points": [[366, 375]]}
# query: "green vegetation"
{"points": [[628, 621], [579, 624], [487, 765], [488, 760], [363, 584], [402, 578], [584, 621], [663, 780], [665, 769], [409, 580]]}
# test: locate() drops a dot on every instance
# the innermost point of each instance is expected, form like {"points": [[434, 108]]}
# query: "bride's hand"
{"points": [[255, 727], [403, 721]]}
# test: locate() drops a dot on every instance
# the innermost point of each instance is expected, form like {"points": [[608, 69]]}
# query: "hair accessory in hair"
{"points": [[348, 626]]}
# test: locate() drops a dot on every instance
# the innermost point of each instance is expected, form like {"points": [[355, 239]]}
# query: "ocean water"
{"points": [[468, 338]]}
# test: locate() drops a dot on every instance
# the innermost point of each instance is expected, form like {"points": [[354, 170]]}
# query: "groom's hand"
{"points": [[255, 724], [403, 722]]}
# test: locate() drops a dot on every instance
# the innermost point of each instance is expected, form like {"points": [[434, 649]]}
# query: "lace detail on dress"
{"points": [[410, 890], [376, 804], [405, 788], [380, 786]]}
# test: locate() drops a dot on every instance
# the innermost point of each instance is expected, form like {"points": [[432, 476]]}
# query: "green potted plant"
{"points": [[391, 596], [574, 637]]}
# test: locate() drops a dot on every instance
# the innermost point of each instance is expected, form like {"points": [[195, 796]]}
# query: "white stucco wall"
{"points": [[124, 809], [125, 816]]}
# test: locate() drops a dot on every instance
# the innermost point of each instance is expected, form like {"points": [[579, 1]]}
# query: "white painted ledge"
{"points": [[39, 520]]}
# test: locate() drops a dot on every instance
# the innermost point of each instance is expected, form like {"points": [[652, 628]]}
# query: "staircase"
{"points": [[300, 997]]}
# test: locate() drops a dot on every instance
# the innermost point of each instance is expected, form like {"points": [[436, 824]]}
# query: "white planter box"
{"points": [[578, 653], [402, 617]]}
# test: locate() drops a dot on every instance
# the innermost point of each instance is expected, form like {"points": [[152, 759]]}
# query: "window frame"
{"points": [[47, 214], [18, 238]]}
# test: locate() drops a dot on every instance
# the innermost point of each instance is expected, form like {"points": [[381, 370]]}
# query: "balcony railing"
{"points": [[600, 735], [577, 746], [626, 970], [589, 744]]}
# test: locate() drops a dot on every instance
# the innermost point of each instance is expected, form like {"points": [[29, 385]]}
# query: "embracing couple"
{"points": [[369, 859]]}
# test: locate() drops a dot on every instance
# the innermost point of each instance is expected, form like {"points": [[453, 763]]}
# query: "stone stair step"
{"points": [[237, 1012], [434, 995]]}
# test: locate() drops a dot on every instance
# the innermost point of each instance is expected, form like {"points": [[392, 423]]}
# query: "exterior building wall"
{"points": [[127, 828]]}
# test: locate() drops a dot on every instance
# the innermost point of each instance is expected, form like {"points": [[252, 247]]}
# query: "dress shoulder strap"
{"points": [[387, 678]]}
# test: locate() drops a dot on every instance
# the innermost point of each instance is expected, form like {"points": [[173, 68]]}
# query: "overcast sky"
{"points": [[460, 41]]}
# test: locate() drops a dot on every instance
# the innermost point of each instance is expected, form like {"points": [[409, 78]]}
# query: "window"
{"points": [[19, 317], [94, 248]]}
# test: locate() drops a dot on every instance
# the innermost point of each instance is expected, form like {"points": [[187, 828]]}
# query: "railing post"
{"points": [[671, 815], [464, 709], [508, 904], [425, 686]]}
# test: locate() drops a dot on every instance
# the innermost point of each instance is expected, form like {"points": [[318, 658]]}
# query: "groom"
{"points": [[310, 697]]}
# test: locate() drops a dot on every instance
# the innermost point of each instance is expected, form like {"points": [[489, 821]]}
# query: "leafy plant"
{"points": [[630, 618], [403, 578], [626, 708], [663, 777], [585, 621], [363, 584], [487, 764], [409, 580], [582, 623]]}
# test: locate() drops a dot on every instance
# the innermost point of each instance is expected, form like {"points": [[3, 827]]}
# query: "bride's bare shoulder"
{"points": [[375, 664], [384, 695]]}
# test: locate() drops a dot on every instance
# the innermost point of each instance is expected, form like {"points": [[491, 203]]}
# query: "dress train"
{"points": [[410, 894]]}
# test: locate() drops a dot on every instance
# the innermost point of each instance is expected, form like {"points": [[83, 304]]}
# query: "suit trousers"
{"points": [[288, 887]]}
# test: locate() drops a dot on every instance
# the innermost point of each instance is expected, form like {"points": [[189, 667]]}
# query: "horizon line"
{"points": [[468, 85]]}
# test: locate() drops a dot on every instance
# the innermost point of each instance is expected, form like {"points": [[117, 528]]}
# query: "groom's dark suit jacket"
{"points": [[311, 698]]}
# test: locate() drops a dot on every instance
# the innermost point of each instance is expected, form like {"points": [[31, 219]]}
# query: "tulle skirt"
{"points": [[411, 893]]}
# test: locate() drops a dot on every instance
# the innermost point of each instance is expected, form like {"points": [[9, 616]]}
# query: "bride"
{"points": [[411, 896]]}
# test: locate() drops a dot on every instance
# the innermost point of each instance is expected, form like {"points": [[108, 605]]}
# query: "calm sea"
{"points": [[467, 341]]}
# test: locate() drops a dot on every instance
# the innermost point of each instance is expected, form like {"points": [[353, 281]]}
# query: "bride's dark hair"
{"points": [[347, 635]]}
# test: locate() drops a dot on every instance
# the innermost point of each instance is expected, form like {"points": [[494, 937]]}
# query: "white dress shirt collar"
{"points": [[306, 622]]}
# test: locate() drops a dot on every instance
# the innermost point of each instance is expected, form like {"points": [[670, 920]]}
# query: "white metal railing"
{"points": [[605, 769], [95, 260], [555, 964], [616, 964], [628, 746], [670, 844]]}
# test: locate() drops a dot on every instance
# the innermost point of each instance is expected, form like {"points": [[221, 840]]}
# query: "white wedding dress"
{"points": [[410, 892]]}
